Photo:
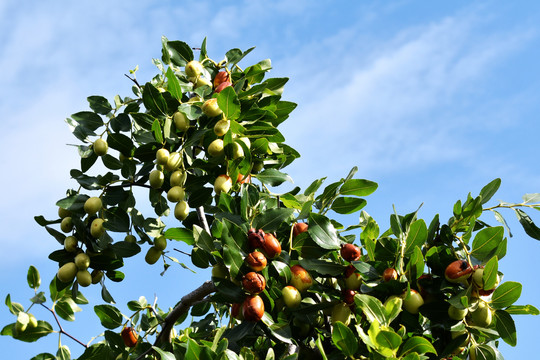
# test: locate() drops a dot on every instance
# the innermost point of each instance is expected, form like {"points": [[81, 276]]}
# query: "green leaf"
{"points": [[522, 310], [372, 308], [271, 219], [121, 122], [125, 248], [65, 309], [30, 334], [358, 187], [489, 276], [63, 353], [486, 242], [323, 267], [156, 129], [418, 345], [165, 355], [416, 236], [110, 316], [323, 232], [528, 225], [153, 100], [44, 356], [233, 255], [173, 84], [99, 104], [117, 220], [179, 52], [389, 339], [483, 352], [229, 103], [120, 142], [180, 234], [489, 190], [506, 327], [348, 205], [33, 278], [88, 119], [344, 339], [506, 294], [273, 177]]}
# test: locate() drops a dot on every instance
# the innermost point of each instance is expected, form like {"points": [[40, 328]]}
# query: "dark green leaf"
{"points": [[348, 205], [120, 142], [371, 307], [117, 220], [110, 316], [33, 278], [30, 334], [271, 219], [99, 104], [486, 242], [528, 225], [153, 100], [418, 345], [506, 294], [358, 187], [323, 267], [180, 234], [125, 248], [323, 232], [228, 102], [416, 237], [179, 52], [489, 190], [88, 119], [506, 327], [344, 339], [273, 177], [44, 356], [65, 310]]}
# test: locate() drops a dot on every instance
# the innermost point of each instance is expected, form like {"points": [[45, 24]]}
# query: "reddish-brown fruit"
{"points": [[299, 228], [271, 246], [222, 86], [300, 278], [255, 238], [130, 336], [253, 283], [253, 308], [256, 261], [243, 179], [458, 271], [349, 270], [236, 311], [348, 296], [389, 274], [350, 252], [424, 279], [220, 78]]}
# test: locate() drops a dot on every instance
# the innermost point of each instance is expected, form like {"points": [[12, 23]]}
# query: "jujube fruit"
{"points": [[341, 312], [100, 147], [256, 261], [174, 161], [222, 86], [300, 279], [62, 213], [223, 183], [156, 179], [193, 68], [271, 246], [216, 148], [221, 127], [255, 238], [348, 296], [253, 283], [162, 156], [253, 308], [413, 302], [130, 336], [175, 194], [71, 243], [67, 272], [211, 108], [220, 78], [178, 178], [67, 224], [291, 296], [84, 278], [181, 121], [482, 315], [152, 255], [350, 252], [82, 261], [456, 314], [181, 210], [160, 242], [299, 228], [96, 228], [92, 205], [458, 271], [389, 274]]}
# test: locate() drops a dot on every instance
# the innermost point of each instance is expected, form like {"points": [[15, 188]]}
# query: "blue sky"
{"points": [[429, 99]]}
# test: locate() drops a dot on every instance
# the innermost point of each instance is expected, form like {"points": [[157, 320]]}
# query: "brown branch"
{"points": [[62, 331], [183, 306]]}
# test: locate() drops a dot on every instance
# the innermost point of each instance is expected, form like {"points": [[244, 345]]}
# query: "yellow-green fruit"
{"points": [[221, 127], [62, 213], [246, 141], [181, 121], [457, 314], [67, 224], [152, 255], [257, 166], [160, 242], [175, 194], [162, 156], [193, 68], [220, 271], [22, 322], [482, 315], [96, 228], [84, 278], [97, 275], [237, 151], [353, 281], [156, 179], [413, 302], [175, 159], [181, 210], [222, 183], [341, 312], [291, 296], [32, 321], [82, 261], [92, 205], [211, 108], [130, 239], [70, 243], [201, 81], [67, 272], [100, 147], [216, 148], [178, 178]]}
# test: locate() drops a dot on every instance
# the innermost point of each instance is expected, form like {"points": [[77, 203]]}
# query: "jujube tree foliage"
{"points": [[193, 157]]}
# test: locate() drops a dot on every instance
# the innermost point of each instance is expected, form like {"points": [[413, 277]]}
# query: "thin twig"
{"points": [[62, 331], [202, 219]]}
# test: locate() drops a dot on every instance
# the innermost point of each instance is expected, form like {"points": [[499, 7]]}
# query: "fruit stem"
{"points": [[464, 246]]}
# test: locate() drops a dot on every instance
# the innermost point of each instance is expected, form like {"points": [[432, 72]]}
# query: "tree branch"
{"points": [[202, 219], [184, 305]]}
